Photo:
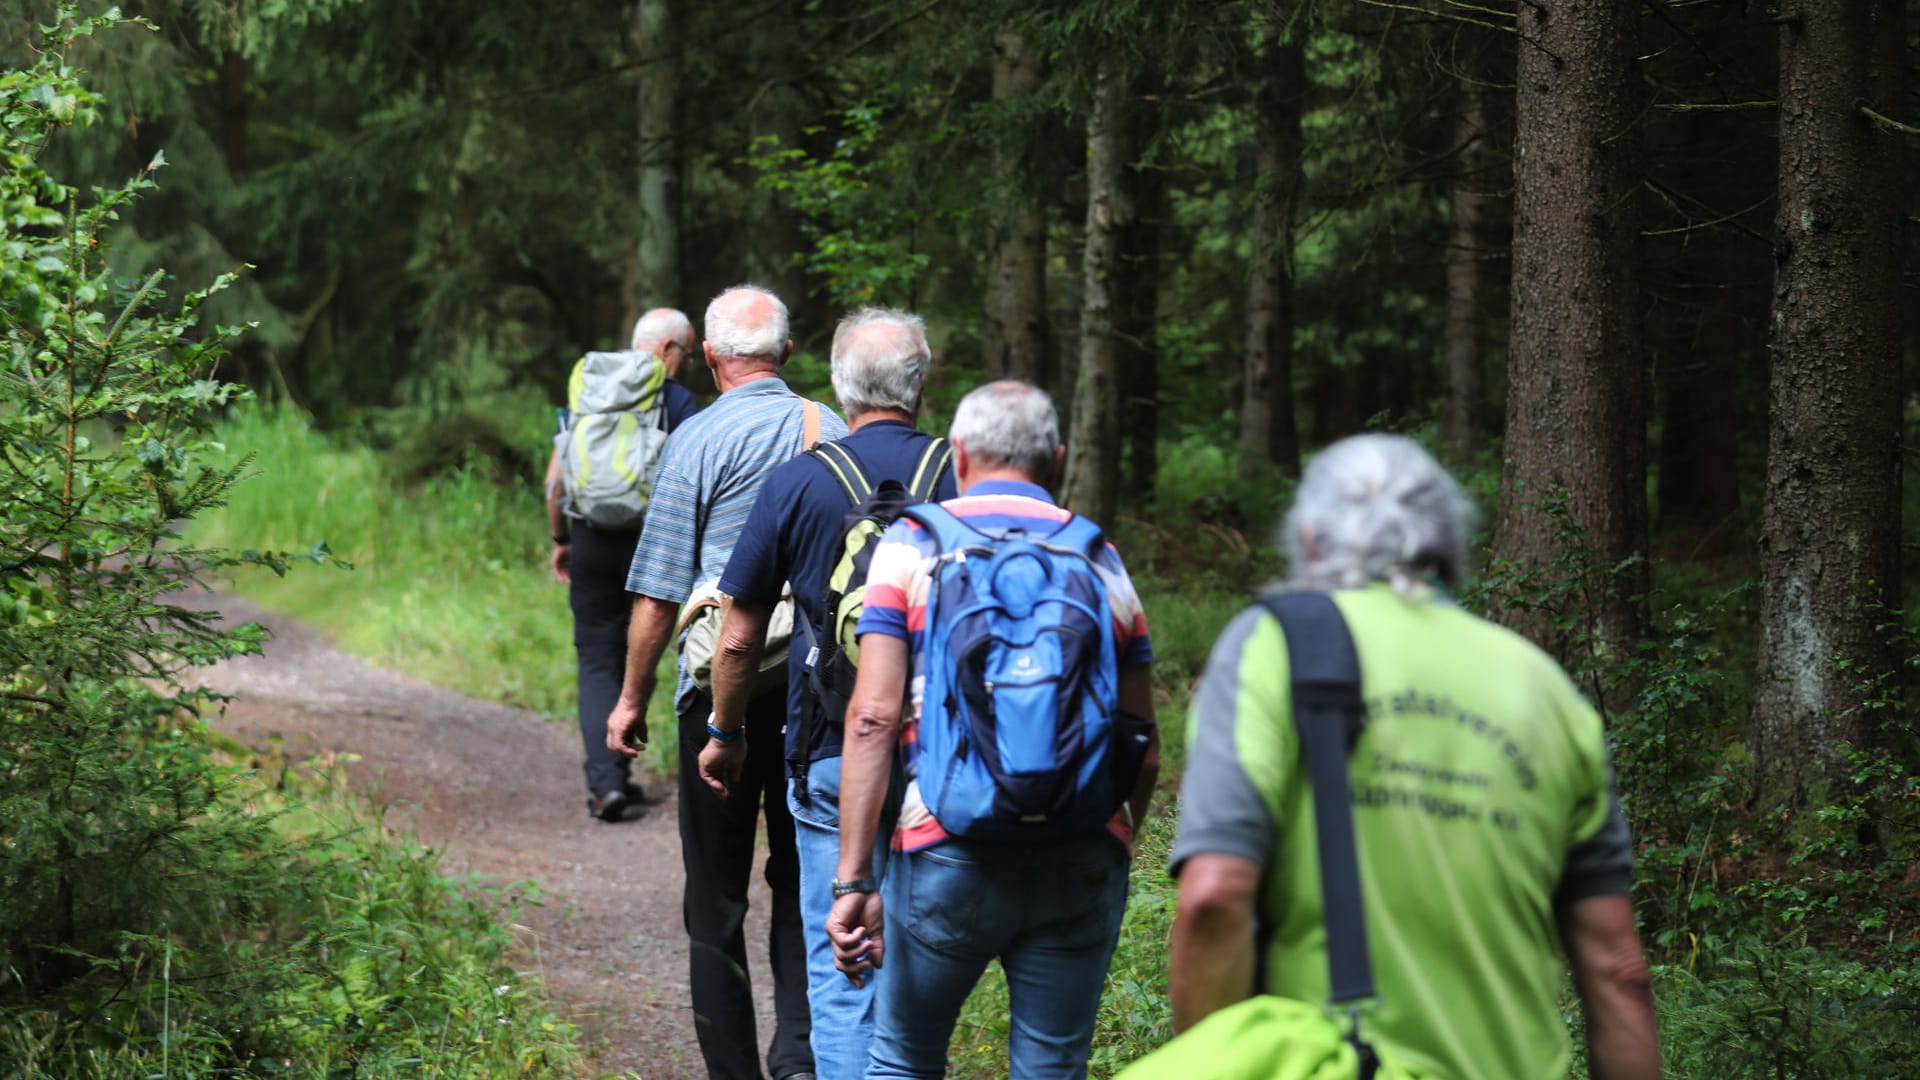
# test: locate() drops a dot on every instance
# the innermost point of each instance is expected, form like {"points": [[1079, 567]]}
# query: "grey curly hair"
{"points": [[1378, 508]]}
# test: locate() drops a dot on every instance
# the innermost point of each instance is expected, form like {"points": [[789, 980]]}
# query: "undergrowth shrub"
{"points": [[1782, 941], [157, 918]]}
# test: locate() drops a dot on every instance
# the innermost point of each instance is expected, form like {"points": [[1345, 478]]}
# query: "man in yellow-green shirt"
{"points": [[1492, 851]]}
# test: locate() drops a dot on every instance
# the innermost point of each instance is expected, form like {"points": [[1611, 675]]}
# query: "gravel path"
{"points": [[497, 791]]}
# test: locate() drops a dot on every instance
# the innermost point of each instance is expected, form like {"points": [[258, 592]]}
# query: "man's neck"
{"points": [[733, 379], [856, 421], [974, 479]]}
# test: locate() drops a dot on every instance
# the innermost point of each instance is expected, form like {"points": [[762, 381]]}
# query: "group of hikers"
{"points": [[1397, 828]]}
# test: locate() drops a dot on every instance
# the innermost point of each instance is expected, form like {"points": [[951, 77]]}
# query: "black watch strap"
{"points": [[858, 885]]}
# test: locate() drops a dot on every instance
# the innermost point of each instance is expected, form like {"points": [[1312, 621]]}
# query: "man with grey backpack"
{"points": [[620, 408]]}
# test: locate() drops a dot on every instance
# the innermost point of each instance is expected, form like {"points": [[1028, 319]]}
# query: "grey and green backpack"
{"points": [[610, 444]]}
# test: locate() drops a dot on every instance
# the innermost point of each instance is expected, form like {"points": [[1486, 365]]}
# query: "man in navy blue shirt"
{"points": [[593, 562], [794, 534]]}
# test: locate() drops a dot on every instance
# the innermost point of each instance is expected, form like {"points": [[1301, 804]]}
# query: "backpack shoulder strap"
{"points": [[949, 532], [926, 475], [1078, 534], [809, 423], [1327, 712], [846, 469]]}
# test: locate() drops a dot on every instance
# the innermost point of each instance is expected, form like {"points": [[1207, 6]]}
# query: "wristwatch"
{"points": [[857, 885]]}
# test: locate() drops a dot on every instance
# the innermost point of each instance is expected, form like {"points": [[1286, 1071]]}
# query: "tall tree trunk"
{"points": [[1140, 341], [1092, 484], [1829, 544], [657, 261], [1268, 433], [1016, 324], [235, 108], [1576, 404], [1463, 423]]}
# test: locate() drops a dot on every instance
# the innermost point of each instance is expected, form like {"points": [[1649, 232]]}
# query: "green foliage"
{"points": [[155, 919], [857, 241]]}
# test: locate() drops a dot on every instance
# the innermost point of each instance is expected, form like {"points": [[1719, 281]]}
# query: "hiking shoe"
{"points": [[635, 796], [608, 807]]}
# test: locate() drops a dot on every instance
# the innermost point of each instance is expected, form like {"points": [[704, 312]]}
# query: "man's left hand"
{"points": [[854, 928], [721, 763]]}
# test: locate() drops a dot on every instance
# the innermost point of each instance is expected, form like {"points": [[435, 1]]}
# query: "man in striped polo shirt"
{"points": [[1050, 912], [709, 477]]}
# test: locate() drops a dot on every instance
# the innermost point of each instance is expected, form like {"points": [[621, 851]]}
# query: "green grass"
{"points": [[448, 578]]}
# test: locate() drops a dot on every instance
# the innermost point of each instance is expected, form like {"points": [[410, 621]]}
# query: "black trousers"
{"points": [[602, 608], [716, 845]]}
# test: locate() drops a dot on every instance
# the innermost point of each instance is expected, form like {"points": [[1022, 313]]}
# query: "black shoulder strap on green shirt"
{"points": [[1327, 713]]}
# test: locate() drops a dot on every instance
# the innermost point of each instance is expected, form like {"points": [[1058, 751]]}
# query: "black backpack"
{"points": [[832, 663]]}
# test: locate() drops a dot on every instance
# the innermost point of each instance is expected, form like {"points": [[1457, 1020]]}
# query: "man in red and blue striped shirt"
{"points": [[1050, 913]]}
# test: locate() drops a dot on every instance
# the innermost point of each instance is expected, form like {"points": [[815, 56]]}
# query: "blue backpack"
{"points": [[1017, 721]]}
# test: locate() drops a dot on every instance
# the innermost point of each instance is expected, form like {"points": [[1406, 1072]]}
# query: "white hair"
{"points": [[747, 322], [1377, 508], [1009, 424], [659, 325], [880, 360]]}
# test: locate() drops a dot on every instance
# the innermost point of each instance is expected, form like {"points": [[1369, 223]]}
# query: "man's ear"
{"points": [[962, 465], [786, 352], [1059, 467], [706, 350]]}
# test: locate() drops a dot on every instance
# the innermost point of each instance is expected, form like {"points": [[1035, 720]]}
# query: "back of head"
{"points": [[1377, 508], [747, 322], [662, 324], [880, 361], [1009, 424]]}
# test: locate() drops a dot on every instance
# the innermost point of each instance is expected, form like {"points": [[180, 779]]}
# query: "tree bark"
{"points": [[1140, 339], [1463, 421], [1269, 434], [1015, 332], [657, 261], [1829, 544], [1576, 405], [1092, 484]]}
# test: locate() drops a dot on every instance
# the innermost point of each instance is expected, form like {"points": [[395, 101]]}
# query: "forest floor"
{"points": [[497, 792]]}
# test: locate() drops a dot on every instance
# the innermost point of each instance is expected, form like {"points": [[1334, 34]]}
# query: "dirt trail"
{"points": [[497, 791]]}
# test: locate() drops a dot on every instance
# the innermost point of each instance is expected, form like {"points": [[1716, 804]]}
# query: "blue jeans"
{"points": [[842, 1012], [1051, 915]]}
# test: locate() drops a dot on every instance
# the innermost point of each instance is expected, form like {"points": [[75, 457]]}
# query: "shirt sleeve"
{"points": [[663, 561], [757, 570], [1129, 615], [1602, 864], [1239, 712]]}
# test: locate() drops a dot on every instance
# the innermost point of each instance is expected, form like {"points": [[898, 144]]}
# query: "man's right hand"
{"points": [[627, 717], [854, 926], [721, 764]]}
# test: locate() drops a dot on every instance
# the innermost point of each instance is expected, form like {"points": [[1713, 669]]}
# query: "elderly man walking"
{"points": [[1482, 824], [593, 560], [711, 474], [795, 533], [1013, 634]]}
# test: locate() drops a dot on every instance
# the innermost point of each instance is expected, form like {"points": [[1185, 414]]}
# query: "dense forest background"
{"points": [[1641, 272]]}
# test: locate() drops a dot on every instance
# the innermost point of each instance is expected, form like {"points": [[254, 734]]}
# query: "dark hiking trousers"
{"points": [[602, 608], [716, 844]]}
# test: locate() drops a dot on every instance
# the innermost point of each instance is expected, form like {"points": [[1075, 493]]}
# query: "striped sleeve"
{"points": [[1129, 615], [890, 582]]}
